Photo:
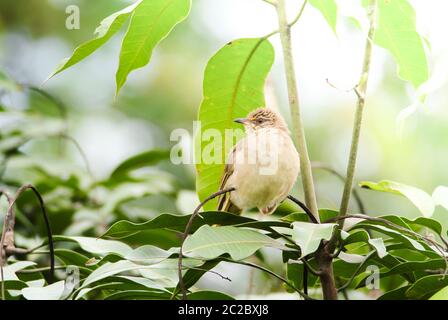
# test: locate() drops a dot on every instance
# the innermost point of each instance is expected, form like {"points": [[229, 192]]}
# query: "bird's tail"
{"points": [[225, 204]]}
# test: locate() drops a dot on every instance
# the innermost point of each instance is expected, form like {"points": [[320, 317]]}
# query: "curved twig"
{"points": [[62, 108], [44, 214], [310, 269], [253, 265], [6, 226], [187, 231], [304, 207], [81, 152]]}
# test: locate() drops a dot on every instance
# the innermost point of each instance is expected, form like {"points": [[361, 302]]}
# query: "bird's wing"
{"points": [[224, 203]]}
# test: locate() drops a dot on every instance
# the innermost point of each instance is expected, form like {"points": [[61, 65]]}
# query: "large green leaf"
{"points": [[138, 295], [9, 271], [110, 269], [414, 266], [379, 246], [166, 272], [440, 196], [396, 32], [329, 10], [125, 228], [107, 28], [122, 283], [233, 86], [425, 222], [51, 292], [211, 242], [143, 159], [8, 84], [193, 275], [70, 257], [426, 286], [151, 21], [146, 254], [419, 198], [98, 246], [396, 294], [441, 295], [209, 295], [309, 235], [390, 232]]}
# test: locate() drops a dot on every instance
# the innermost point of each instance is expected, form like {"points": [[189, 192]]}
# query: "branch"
{"points": [[6, 227], [299, 15], [62, 108], [9, 225], [298, 130], [304, 207], [187, 231], [290, 24], [360, 91], [81, 153]]}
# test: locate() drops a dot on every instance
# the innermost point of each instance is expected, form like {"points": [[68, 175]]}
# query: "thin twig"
{"points": [[360, 91], [210, 271], [290, 24], [187, 231], [304, 207], [293, 97], [44, 214], [82, 154], [62, 108], [311, 269], [6, 226], [299, 15], [249, 264]]}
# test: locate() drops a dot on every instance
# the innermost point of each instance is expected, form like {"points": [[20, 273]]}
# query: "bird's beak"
{"points": [[241, 120]]}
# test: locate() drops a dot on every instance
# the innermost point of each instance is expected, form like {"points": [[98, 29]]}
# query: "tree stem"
{"points": [[298, 130], [361, 93], [323, 256]]}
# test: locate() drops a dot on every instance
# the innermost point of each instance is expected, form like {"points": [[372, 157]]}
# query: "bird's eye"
{"points": [[259, 121]]}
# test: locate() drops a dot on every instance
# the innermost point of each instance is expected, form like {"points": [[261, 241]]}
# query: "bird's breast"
{"points": [[266, 166]]}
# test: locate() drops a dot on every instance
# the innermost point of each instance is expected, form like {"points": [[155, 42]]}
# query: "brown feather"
{"points": [[224, 202]]}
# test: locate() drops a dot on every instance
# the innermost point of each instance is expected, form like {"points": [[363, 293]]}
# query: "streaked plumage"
{"points": [[262, 167]]}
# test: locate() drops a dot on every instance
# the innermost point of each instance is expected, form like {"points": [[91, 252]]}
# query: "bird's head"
{"points": [[262, 118]]}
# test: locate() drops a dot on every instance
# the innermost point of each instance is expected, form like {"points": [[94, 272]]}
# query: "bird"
{"points": [[262, 167]]}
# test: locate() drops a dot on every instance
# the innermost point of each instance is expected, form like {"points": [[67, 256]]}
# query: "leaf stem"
{"points": [[360, 91], [298, 130]]}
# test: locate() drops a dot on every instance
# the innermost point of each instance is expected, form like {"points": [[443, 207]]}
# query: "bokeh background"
{"points": [[166, 94]]}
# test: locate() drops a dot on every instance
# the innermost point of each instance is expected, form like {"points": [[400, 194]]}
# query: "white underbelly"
{"points": [[267, 179]]}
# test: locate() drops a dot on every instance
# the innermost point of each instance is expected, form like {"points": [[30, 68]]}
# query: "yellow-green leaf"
{"points": [[107, 28], [419, 198], [211, 242], [233, 86], [396, 32], [441, 295], [151, 22], [329, 10]]}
